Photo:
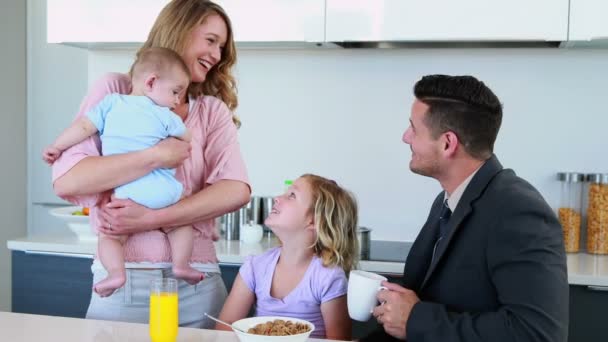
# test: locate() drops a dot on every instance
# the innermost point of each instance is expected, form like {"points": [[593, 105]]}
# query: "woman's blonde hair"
{"points": [[335, 216], [173, 28]]}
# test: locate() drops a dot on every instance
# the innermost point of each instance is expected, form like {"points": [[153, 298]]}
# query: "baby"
{"points": [[134, 122]]}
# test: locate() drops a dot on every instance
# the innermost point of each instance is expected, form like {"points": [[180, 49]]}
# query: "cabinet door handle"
{"points": [[71, 255], [597, 288]]}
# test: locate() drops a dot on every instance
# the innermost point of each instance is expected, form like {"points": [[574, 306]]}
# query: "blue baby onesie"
{"points": [[128, 123]]}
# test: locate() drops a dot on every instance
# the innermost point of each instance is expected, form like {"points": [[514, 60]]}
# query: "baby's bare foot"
{"points": [[188, 274], [110, 284]]}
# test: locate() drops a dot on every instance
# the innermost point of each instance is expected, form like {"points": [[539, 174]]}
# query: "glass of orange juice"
{"points": [[163, 310]]}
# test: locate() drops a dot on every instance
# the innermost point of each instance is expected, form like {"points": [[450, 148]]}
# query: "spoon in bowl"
{"points": [[224, 323]]}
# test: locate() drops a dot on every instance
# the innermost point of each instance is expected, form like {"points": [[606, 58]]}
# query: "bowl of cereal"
{"points": [[77, 219], [273, 328]]}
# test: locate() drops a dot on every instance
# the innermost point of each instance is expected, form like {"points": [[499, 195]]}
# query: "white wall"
{"points": [[57, 80], [341, 113], [12, 136]]}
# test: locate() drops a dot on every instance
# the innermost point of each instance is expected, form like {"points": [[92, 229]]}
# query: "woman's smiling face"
{"points": [[204, 49]]}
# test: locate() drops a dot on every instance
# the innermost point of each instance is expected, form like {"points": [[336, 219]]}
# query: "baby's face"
{"points": [[169, 91]]}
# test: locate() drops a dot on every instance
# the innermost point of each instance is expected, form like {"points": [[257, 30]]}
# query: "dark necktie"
{"points": [[444, 217]]}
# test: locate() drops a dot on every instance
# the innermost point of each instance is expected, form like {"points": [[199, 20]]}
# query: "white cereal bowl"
{"points": [[78, 224], [247, 323]]}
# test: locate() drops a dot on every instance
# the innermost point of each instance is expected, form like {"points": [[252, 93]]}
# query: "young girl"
{"points": [[316, 222]]}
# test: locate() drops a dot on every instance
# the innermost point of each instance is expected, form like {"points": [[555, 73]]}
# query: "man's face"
{"points": [[426, 151]]}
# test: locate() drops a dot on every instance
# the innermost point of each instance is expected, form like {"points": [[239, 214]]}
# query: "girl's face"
{"points": [[291, 211], [204, 50]]}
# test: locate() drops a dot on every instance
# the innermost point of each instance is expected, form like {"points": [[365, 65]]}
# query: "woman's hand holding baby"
{"points": [[171, 153], [123, 216]]}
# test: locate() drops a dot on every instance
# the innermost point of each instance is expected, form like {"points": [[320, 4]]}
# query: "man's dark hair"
{"points": [[465, 106]]}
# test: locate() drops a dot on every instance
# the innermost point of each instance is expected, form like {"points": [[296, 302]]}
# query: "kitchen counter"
{"points": [[26, 328], [228, 251], [583, 269], [587, 269]]}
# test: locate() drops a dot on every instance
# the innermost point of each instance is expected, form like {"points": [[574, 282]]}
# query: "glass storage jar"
{"points": [[569, 211], [597, 214]]}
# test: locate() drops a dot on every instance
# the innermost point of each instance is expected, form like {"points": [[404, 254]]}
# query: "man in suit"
{"points": [[489, 263]]}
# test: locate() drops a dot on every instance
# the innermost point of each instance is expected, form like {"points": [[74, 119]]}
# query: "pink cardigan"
{"points": [[215, 156]]}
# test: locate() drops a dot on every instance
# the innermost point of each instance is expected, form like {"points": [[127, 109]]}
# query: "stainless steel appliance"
{"points": [[231, 225], [254, 212], [364, 237]]}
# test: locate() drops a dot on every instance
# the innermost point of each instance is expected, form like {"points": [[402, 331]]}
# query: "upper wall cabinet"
{"points": [[443, 20], [93, 22], [276, 20], [107, 22], [588, 20]]}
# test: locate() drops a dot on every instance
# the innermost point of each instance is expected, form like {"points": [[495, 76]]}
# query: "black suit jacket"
{"points": [[501, 273]]}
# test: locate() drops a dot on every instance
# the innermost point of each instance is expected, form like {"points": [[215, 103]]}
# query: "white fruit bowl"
{"points": [[246, 323], [79, 224]]}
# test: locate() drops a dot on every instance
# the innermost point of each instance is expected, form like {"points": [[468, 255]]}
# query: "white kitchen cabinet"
{"points": [[445, 20], [104, 23], [588, 20], [276, 20], [80, 22]]}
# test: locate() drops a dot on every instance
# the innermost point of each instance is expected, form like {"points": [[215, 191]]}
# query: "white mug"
{"points": [[362, 290]]}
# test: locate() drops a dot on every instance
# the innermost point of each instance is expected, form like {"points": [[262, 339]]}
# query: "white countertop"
{"points": [[583, 269], [27, 328], [228, 251], [587, 269]]}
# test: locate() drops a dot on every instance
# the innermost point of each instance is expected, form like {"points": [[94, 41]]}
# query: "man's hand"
{"points": [[395, 308]]}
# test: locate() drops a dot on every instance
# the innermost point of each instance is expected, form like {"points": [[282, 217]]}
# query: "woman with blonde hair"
{"points": [[210, 168], [316, 222]]}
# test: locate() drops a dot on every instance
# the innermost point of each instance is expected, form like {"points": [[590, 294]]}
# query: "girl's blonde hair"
{"points": [[335, 216], [173, 28]]}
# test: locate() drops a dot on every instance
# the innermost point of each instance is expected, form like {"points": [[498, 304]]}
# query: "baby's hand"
{"points": [[50, 154]]}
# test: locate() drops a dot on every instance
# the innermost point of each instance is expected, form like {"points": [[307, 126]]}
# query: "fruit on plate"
{"points": [[83, 212]]}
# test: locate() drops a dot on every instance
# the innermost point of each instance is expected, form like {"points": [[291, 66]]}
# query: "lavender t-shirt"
{"points": [[318, 285]]}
